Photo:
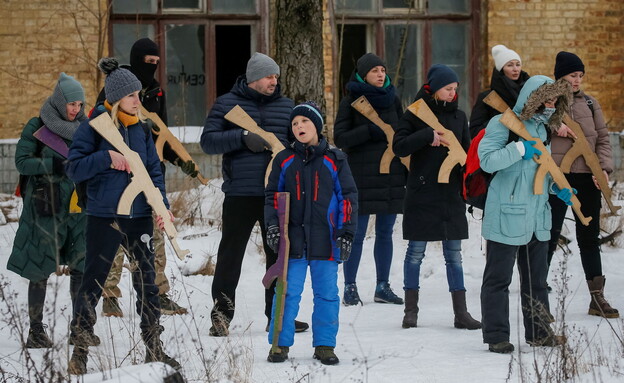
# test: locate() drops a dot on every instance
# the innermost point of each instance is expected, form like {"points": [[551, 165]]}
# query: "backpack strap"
{"points": [[589, 103]]}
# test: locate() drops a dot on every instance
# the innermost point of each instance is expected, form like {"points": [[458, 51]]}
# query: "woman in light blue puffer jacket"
{"points": [[516, 221]]}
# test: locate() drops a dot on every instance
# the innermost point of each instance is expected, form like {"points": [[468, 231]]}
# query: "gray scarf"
{"points": [[53, 113]]}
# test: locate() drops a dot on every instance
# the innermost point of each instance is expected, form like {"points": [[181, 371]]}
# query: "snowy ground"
{"points": [[372, 346]]}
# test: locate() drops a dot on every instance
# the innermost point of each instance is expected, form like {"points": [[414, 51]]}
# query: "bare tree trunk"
{"points": [[299, 49]]}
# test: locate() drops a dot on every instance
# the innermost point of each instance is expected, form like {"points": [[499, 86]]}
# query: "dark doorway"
{"points": [[233, 46], [353, 47]]}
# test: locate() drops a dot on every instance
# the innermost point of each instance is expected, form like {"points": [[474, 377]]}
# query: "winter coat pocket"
{"points": [[513, 218], [47, 198]]}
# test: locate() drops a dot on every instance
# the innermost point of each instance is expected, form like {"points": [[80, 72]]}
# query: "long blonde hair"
{"points": [[115, 111]]}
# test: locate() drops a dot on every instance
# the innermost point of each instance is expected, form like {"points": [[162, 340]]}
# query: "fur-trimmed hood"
{"points": [[539, 89]]}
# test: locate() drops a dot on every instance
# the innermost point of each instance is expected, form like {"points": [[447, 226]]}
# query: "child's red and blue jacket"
{"points": [[323, 198]]}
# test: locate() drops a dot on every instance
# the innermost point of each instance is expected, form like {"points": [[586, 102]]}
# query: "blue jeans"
{"points": [[452, 256], [324, 276], [382, 252]]}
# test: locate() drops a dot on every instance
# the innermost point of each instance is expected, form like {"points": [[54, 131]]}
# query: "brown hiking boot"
{"points": [[37, 337], [279, 356], [78, 362], [501, 347], [326, 355], [169, 307], [111, 308], [599, 305], [220, 327], [154, 351], [83, 338]]}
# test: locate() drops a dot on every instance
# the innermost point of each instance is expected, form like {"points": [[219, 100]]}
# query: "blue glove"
{"points": [[530, 150], [564, 194]]}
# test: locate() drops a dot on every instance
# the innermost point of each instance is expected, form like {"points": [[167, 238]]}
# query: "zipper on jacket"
{"points": [[129, 177], [297, 178], [316, 185]]}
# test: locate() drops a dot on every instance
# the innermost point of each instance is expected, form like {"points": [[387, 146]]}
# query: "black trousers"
{"points": [[240, 214], [104, 235], [586, 236], [37, 294], [500, 259]]}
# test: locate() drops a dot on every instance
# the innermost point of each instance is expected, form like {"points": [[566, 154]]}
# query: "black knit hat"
{"points": [[566, 63], [368, 62], [310, 110], [439, 76]]}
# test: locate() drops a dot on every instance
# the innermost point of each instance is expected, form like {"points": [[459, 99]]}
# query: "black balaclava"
{"points": [[141, 69]]}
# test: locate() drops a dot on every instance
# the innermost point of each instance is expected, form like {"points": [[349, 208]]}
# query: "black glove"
{"points": [[254, 142], [345, 243], [273, 237], [376, 133], [58, 166], [152, 125], [188, 167]]}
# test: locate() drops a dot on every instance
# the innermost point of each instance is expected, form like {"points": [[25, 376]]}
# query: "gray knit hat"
{"points": [[119, 82], [260, 66], [70, 88]]}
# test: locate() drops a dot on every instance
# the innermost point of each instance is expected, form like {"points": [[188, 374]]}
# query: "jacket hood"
{"points": [[539, 89]]}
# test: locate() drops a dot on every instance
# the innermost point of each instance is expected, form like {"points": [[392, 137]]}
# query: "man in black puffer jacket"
{"points": [[245, 159]]}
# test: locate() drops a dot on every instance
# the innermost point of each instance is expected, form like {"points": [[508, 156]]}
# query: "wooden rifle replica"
{"points": [[366, 109], [166, 137], [545, 162], [239, 117], [279, 270], [579, 148], [141, 180], [456, 154]]}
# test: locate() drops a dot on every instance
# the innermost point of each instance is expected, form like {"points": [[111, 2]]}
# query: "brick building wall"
{"points": [[38, 40], [539, 29]]}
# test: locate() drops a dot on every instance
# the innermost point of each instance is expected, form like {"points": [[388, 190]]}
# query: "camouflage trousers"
{"points": [[111, 288]]}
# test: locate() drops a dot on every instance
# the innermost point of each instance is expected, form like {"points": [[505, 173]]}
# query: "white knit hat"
{"points": [[502, 55]]}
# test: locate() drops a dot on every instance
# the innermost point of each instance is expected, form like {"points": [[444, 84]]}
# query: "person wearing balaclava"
{"points": [[507, 80], [586, 111], [144, 59], [92, 159], [516, 221], [434, 211], [246, 156], [50, 235]]}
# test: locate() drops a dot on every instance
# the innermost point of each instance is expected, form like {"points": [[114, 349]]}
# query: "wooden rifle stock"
{"points": [[456, 154], [239, 117], [279, 270], [165, 136], [366, 109], [141, 180], [579, 148], [545, 161]]}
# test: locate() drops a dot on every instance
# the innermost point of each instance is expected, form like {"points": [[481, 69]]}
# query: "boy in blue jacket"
{"points": [[322, 203]]}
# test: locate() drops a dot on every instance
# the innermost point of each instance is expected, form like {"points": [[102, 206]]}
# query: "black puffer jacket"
{"points": [[507, 88], [377, 193], [244, 170], [432, 211]]}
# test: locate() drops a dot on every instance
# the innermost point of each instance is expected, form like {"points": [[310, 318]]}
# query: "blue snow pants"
{"points": [[326, 302]]}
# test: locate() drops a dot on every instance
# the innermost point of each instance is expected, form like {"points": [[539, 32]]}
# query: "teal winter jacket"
{"points": [[513, 214]]}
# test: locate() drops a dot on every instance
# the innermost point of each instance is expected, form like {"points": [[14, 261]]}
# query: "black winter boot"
{"points": [[78, 362], [37, 337], [463, 319], [326, 355], [599, 305], [411, 309], [279, 355], [153, 348]]}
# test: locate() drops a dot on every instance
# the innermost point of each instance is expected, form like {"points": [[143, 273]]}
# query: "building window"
{"points": [[196, 40], [410, 35]]}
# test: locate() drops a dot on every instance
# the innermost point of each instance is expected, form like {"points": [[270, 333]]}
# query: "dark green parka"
{"points": [[43, 242]]}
